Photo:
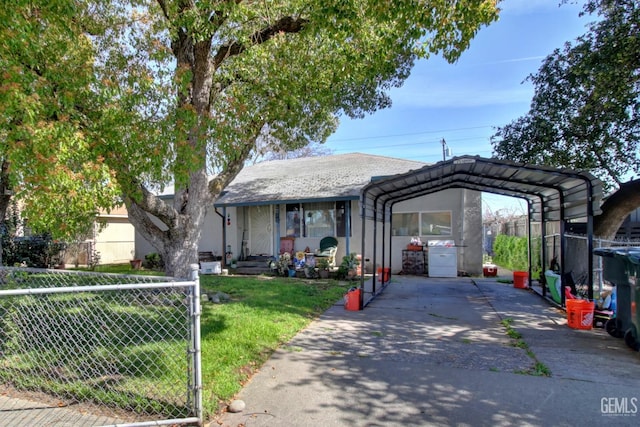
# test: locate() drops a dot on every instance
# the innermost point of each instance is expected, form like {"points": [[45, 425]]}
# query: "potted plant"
{"points": [[310, 272], [284, 263], [234, 263], [349, 265], [323, 267], [135, 262]]}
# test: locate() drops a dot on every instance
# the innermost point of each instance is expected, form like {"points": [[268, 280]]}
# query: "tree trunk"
{"points": [[616, 209]]}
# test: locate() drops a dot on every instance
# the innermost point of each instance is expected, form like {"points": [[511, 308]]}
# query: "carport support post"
{"points": [[375, 247], [590, 239], [277, 221], [347, 220], [543, 247], [529, 241], [562, 248]]}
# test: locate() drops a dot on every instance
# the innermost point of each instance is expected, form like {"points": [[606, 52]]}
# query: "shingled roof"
{"points": [[325, 178]]}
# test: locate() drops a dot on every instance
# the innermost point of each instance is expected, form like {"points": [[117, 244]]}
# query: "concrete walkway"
{"points": [[16, 412], [434, 352]]}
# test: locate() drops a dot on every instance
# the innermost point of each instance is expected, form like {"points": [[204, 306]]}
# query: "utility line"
{"points": [[408, 144], [362, 138]]}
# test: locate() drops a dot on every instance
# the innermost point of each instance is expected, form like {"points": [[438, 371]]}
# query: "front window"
{"points": [[405, 224], [435, 223], [319, 219]]}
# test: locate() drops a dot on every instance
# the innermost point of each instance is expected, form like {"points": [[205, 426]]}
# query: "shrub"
{"points": [[35, 251], [154, 261], [512, 253]]}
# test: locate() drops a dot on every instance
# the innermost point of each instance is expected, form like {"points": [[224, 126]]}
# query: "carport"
{"points": [[552, 194]]}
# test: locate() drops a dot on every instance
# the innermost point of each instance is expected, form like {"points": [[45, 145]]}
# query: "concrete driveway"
{"points": [[435, 352]]}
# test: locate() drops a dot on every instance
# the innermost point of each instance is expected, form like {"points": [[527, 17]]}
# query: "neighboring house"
{"points": [[112, 238], [314, 197], [116, 240]]}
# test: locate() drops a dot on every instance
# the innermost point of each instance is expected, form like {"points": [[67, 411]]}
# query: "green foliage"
{"points": [[45, 107], [585, 112], [349, 263], [94, 259], [322, 263], [511, 252], [283, 263], [153, 261], [34, 251]]}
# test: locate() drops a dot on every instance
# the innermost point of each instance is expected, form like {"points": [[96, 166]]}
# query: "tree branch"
{"points": [[286, 24], [235, 165], [616, 208]]}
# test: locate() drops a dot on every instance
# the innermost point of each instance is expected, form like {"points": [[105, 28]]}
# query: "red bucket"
{"points": [[520, 279], [352, 300], [384, 276], [580, 313]]}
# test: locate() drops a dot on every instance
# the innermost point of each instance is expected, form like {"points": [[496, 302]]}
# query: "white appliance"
{"points": [[214, 267], [443, 258]]}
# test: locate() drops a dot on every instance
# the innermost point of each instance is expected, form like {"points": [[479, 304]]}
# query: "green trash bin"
{"points": [[621, 266]]}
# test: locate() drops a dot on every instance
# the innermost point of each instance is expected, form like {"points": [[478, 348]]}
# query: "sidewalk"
{"points": [[433, 352], [16, 412]]}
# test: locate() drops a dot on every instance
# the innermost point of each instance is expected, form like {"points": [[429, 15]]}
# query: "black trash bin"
{"points": [[621, 266]]}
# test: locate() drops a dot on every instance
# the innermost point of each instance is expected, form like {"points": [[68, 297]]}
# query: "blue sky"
{"points": [[464, 102]]}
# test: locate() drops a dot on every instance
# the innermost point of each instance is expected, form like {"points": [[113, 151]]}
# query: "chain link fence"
{"points": [[122, 345], [576, 259]]}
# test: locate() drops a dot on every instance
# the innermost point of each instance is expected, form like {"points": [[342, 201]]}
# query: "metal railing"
{"points": [[127, 345]]}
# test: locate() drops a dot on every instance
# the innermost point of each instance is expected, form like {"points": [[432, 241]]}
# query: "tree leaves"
{"points": [[585, 113], [169, 91]]}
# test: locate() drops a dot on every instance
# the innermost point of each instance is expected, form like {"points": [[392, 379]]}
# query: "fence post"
{"points": [[195, 328]]}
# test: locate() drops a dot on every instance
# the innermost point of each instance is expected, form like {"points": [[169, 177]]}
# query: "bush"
{"points": [[153, 261], [39, 251], [512, 253]]}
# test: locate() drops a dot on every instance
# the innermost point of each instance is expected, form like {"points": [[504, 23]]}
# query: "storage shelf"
{"points": [[414, 262]]}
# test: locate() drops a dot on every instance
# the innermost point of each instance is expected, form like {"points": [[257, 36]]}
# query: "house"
{"points": [[112, 238], [309, 198]]}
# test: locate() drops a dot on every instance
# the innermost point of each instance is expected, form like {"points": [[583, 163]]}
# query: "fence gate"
{"points": [[88, 349]]}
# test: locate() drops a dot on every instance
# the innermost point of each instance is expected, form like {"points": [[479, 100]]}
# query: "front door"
{"points": [[260, 230]]}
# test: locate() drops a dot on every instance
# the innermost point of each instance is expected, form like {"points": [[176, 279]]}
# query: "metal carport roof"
{"points": [[552, 194]]}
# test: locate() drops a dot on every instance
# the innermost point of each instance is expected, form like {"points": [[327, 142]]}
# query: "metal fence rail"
{"points": [[126, 345]]}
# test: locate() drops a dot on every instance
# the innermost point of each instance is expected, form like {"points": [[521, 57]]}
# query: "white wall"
{"points": [[116, 241]]}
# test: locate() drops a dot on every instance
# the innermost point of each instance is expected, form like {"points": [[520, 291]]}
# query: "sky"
{"points": [[464, 102]]}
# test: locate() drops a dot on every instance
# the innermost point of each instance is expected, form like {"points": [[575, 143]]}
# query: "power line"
{"points": [[362, 138], [409, 144]]}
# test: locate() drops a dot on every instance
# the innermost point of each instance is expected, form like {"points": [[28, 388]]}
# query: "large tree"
{"points": [[185, 89], [46, 155], [585, 113]]}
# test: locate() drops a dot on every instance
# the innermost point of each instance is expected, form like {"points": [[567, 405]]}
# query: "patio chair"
{"points": [[328, 249]]}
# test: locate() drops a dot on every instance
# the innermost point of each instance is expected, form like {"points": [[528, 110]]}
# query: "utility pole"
{"points": [[444, 150]]}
